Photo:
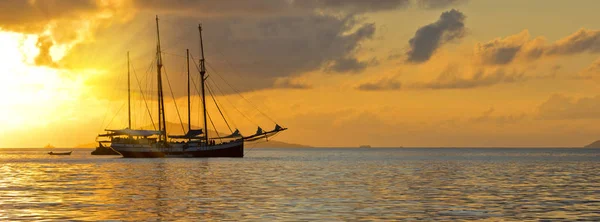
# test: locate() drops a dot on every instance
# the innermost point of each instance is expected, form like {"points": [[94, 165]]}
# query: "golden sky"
{"points": [[478, 73]]}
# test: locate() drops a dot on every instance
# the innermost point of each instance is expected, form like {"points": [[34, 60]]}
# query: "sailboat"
{"points": [[132, 143]]}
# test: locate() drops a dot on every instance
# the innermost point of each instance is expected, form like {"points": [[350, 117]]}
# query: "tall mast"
{"points": [[161, 105], [203, 79], [187, 51], [128, 92]]}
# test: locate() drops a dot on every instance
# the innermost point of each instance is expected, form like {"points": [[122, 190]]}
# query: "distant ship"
{"points": [[196, 142], [364, 146], [49, 146]]}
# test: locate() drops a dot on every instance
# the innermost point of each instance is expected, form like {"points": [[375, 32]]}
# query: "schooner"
{"points": [[194, 143]]}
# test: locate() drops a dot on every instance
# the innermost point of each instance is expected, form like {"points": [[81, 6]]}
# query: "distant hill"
{"points": [[274, 144], [175, 129], [593, 145]]}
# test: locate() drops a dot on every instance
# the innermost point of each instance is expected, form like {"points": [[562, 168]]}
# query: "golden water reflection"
{"points": [[325, 184]]}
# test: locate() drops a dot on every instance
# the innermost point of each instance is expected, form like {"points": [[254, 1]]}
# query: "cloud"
{"points": [[451, 79], [450, 26], [565, 107], [437, 4], [591, 72], [27, 15], [289, 83], [259, 49], [381, 85], [347, 65], [352, 6], [489, 117], [503, 51], [211, 8], [581, 41], [44, 43]]}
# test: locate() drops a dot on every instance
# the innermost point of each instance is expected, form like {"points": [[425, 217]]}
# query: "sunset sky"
{"points": [[452, 73]]}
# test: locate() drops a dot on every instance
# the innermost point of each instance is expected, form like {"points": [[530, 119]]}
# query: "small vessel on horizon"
{"points": [[195, 142], [60, 154], [364, 146]]}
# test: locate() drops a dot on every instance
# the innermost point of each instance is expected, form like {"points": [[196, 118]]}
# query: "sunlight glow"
{"points": [[33, 95]]}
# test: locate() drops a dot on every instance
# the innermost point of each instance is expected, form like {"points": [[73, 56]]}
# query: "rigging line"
{"points": [[107, 110], [122, 105], [240, 94], [214, 127], [174, 101], [143, 97], [219, 104], [218, 108], [254, 144], [172, 54], [198, 91], [244, 115], [195, 64], [236, 72]]}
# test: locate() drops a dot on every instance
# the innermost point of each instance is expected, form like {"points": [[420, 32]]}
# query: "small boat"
{"points": [[364, 146], [63, 154]]}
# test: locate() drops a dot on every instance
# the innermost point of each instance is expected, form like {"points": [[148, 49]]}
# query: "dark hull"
{"points": [[104, 151], [60, 154], [234, 151]]}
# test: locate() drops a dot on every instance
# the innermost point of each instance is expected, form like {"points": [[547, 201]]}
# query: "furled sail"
{"points": [[190, 134], [130, 132], [235, 134], [260, 134]]}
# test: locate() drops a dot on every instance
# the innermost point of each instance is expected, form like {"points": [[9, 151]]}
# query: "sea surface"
{"points": [[333, 184]]}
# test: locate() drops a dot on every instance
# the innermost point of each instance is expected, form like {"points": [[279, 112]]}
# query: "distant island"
{"points": [[593, 145]]}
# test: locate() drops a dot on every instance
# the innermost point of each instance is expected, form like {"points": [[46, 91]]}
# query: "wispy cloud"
{"points": [[452, 79], [381, 85]]}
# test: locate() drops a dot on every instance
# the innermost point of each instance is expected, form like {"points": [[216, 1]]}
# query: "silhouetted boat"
{"points": [[364, 146], [196, 142], [60, 154], [104, 150]]}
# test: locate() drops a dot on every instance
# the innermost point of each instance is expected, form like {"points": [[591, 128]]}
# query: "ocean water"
{"points": [[306, 184]]}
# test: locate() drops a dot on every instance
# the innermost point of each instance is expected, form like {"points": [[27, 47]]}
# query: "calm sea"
{"points": [[306, 184]]}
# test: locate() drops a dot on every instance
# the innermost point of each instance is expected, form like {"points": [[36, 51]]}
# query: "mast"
{"points": [[161, 105], [128, 92], [187, 51], [203, 79]]}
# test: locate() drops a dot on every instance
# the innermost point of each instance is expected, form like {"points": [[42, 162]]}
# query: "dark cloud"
{"points": [[221, 8], [251, 53], [383, 84], [437, 4], [451, 79], [347, 65], [564, 107], [353, 6], [32, 16], [429, 38]]}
